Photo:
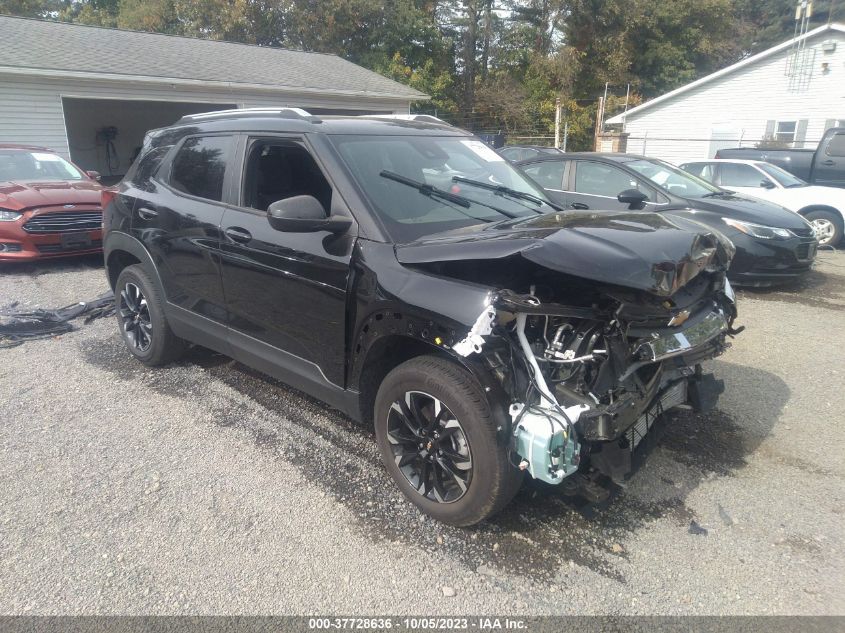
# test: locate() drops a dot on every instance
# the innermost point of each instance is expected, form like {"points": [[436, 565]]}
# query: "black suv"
{"points": [[406, 274]]}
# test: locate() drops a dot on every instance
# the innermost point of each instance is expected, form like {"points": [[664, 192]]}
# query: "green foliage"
{"points": [[490, 65]]}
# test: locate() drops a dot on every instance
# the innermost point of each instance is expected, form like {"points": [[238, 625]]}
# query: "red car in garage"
{"points": [[49, 207]]}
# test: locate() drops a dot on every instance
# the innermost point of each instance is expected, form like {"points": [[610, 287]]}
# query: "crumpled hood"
{"points": [[24, 195], [645, 251]]}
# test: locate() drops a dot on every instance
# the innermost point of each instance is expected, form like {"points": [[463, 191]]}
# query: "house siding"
{"points": [[733, 110], [31, 107]]}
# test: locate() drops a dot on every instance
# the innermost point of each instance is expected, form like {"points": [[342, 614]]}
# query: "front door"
{"points": [[595, 185], [178, 220], [745, 179], [285, 292]]}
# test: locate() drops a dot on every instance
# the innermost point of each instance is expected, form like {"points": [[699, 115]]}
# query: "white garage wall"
{"points": [[680, 128], [84, 117], [31, 107]]}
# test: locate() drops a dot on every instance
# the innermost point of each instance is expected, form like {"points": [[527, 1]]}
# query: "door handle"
{"points": [[237, 234], [828, 163], [146, 213], [579, 205]]}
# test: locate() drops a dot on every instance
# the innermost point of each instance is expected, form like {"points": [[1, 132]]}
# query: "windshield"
{"points": [[29, 166], [783, 177], [445, 164], [672, 179]]}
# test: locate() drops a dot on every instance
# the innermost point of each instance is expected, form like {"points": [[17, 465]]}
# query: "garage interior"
{"points": [[105, 134]]}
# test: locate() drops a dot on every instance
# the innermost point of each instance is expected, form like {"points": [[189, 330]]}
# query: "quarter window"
{"points": [[200, 166], [144, 168]]}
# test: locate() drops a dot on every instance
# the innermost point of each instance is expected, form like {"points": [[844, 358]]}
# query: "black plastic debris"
{"points": [[695, 528], [18, 326]]}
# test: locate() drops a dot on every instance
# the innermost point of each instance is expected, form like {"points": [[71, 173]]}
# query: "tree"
{"points": [[496, 64]]}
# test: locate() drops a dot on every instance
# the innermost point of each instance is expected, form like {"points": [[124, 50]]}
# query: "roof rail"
{"points": [[284, 113], [427, 118]]}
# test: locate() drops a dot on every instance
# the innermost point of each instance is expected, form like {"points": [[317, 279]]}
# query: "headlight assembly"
{"points": [[758, 230], [9, 216]]}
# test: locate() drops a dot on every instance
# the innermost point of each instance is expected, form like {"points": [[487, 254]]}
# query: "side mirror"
{"points": [[634, 198], [304, 214], [767, 184], [93, 174]]}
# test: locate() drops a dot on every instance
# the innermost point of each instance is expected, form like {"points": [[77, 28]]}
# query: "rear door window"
{"points": [[738, 175], [702, 170], [199, 166], [548, 174], [836, 146]]}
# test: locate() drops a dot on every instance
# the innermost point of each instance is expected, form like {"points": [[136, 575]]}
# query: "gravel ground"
{"points": [[206, 488]]}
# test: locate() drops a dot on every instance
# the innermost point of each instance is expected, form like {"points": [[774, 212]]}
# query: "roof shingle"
{"points": [[47, 45]]}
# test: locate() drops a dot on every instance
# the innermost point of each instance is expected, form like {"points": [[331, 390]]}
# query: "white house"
{"points": [[91, 93], [791, 92]]}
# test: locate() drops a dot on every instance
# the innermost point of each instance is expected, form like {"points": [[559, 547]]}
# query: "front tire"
{"points": [[437, 437], [140, 316], [827, 225]]}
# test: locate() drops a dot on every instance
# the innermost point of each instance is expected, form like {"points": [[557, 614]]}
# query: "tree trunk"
{"points": [[488, 34], [470, 50]]}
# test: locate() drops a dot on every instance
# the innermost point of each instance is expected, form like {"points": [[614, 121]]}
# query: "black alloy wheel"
{"points": [[430, 447], [135, 317]]}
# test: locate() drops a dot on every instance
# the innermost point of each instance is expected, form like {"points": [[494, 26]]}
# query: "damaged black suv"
{"points": [[401, 271]]}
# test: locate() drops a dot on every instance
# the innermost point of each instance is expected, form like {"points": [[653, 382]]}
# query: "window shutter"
{"points": [[801, 133], [770, 129]]}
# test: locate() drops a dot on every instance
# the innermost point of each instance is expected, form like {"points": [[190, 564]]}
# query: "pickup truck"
{"points": [[824, 165]]}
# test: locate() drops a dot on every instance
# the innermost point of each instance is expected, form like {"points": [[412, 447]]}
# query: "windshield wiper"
{"points": [[433, 192], [426, 189], [505, 191], [716, 194]]}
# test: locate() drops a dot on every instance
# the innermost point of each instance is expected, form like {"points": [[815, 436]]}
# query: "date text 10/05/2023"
{"points": [[418, 623]]}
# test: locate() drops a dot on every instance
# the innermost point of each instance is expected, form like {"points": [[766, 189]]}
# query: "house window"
{"points": [[785, 131]]}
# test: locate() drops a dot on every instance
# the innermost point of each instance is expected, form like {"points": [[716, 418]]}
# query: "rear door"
{"points": [[178, 221], [829, 169], [285, 292]]}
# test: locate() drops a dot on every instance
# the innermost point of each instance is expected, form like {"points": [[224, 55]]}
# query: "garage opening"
{"points": [[104, 135]]}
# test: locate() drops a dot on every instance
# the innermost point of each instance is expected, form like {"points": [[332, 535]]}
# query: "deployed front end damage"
{"points": [[587, 364]]}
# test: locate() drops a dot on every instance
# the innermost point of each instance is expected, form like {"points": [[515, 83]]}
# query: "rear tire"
{"points": [[829, 224], [140, 317], [437, 437]]}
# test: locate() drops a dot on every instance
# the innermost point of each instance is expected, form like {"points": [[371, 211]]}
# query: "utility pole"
{"points": [[599, 120], [557, 123], [565, 134]]}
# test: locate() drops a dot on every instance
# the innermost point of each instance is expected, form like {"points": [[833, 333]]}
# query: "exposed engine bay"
{"points": [[586, 382]]}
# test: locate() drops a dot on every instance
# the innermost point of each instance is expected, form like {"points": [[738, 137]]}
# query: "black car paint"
{"points": [[636, 250], [318, 310], [757, 261]]}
